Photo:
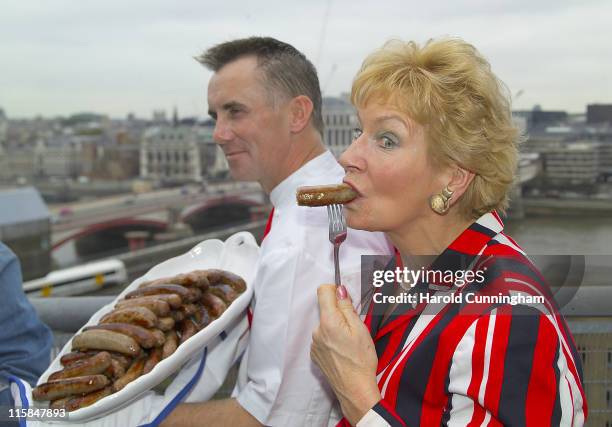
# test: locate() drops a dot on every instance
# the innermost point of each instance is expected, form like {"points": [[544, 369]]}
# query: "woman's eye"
{"points": [[356, 133], [387, 142]]}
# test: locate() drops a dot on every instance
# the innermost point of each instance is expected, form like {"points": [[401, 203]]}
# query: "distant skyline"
{"points": [[114, 57]]}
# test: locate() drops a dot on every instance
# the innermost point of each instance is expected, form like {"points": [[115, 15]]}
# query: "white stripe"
{"points": [[372, 419], [459, 378], [487, 357], [565, 399], [420, 325], [485, 422], [488, 220], [503, 239]]}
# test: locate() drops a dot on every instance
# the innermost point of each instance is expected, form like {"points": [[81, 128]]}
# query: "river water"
{"points": [[563, 235]]}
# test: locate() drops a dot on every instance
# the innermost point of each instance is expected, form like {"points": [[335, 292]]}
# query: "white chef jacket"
{"points": [[278, 383]]}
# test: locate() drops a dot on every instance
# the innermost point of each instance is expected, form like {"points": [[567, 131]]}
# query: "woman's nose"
{"points": [[353, 157]]}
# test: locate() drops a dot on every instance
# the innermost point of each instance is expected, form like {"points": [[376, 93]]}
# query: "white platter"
{"points": [[237, 254]]}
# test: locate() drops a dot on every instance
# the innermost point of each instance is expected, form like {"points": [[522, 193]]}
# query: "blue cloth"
{"points": [[25, 342]]}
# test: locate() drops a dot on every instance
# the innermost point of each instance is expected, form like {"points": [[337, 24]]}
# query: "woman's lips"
{"points": [[354, 189]]}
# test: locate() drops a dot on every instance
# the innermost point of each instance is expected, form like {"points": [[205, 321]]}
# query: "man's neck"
{"points": [[302, 151]]}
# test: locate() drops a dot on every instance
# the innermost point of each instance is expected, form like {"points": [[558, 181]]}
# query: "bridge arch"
{"points": [[218, 212], [109, 236]]}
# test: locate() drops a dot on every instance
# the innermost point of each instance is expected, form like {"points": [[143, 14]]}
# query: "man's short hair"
{"points": [[283, 67]]}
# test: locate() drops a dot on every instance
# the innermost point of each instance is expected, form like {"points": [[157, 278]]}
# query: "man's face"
{"points": [[252, 131]]}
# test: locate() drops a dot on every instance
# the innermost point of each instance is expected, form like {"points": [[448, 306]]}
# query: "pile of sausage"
{"points": [[145, 327]]}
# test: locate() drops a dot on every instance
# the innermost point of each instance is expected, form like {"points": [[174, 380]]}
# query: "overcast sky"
{"points": [[117, 56]]}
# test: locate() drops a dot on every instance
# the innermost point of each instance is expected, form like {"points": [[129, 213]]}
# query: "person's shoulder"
{"points": [[7, 256]]}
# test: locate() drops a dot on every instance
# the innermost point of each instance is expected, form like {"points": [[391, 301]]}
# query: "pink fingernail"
{"points": [[341, 292]]}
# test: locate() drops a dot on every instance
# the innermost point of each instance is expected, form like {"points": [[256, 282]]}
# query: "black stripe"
{"points": [[417, 372], [524, 327], [482, 229], [382, 411], [556, 415]]}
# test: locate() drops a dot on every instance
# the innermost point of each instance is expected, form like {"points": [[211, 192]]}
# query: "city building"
{"points": [[538, 118], [26, 229], [180, 154], [60, 156], [3, 127], [573, 163], [339, 120], [599, 113]]}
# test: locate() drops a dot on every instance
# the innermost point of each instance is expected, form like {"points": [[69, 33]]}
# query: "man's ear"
{"points": [[300, 111]]}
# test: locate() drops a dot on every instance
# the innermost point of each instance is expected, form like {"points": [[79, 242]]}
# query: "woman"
{"points": [[432, 162]]}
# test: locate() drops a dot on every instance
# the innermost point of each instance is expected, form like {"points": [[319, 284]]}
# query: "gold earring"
{"points": [[440, 203]]}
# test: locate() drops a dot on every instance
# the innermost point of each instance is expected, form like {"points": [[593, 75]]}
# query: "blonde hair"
{"points": [[449, 88]]}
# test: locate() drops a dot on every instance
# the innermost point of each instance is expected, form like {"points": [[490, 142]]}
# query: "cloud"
{"points": [[117, 57]]}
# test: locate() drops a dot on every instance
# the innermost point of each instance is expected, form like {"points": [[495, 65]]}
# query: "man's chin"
{"points": [[239, 175]]}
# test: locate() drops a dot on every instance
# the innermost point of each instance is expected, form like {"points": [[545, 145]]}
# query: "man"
{"points": [[25, 342], [266, 101]]}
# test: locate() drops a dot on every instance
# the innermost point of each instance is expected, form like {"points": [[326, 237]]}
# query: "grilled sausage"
{"points": [[196, 278], [122, 359], [225, 292], [216, 276], [202, 317], [155, 356], [131, 374], [115, 370], [215, 305], [177, 315], [156, 305], [65, 387], [323, 195], [59, 403], [79, 402], [165, 323], [143, 336], [187, 330], [159, 336], [91, 366], [188, 309], [140, 316], [106, 340], [170, 345], [182, 291], [74, 356]]}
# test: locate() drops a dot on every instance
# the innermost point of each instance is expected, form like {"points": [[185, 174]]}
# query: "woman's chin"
{"points": [[358, 222]]}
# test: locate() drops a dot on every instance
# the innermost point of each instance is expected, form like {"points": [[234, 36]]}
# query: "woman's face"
{"points": [[388, 165]]}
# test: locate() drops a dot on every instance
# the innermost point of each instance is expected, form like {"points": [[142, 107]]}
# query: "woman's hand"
{"points": [[344, 350]]}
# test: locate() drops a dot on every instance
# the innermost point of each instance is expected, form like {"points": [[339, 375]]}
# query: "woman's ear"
{"points": [[300, 110], [459, 182]]}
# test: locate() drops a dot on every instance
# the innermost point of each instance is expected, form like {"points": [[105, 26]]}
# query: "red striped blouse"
{"points": [[472, 363]]}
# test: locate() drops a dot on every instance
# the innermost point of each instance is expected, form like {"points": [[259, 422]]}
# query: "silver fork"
{"points": [[337, 233]]}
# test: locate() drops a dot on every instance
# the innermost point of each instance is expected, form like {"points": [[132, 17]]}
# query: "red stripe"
{"points": [[249, 316], [435, 398], [480, 340], [391, 393], [394, 342], [398, 258], [469, 242], [542, 389], [501, 334], [268, 224]]}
